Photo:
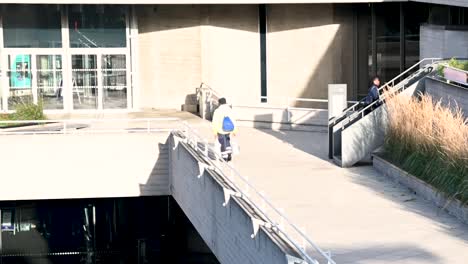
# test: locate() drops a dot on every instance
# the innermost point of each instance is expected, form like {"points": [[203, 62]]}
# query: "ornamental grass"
{"points": [[430, 141]]}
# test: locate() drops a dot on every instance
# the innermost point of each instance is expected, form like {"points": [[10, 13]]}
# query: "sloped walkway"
{"points": [[361, 216]]}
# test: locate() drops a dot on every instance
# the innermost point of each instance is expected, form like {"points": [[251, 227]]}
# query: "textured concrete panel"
{"points": [[443, 42], [363, 137], [308, 47], [449, 95], [169, 54], [231, 51]]}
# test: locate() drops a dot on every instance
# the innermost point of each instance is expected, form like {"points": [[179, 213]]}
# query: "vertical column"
{"points": [[402, 39], [374, 40], [34, 74], [131, 55], [355, 90], [100, 87], [3, 69], [263, 65], [67, 76]]}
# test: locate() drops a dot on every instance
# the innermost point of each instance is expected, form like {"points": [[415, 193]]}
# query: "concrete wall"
{"points": [[363, 137], [182, 45], [231, 51], [169, 54], [83, 166], [443, 42], [449, 94], [277, 118], [226, 230], [308, 47]]}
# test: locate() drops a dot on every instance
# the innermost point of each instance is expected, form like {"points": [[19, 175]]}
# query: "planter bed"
{"points": [[456, 75], [423, 189]]}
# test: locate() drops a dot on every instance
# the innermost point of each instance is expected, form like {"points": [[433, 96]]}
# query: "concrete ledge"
{"points": [[282, 126], [423, 189]]}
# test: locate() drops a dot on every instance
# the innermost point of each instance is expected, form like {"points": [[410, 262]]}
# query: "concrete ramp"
{"points": [[227, 230]]}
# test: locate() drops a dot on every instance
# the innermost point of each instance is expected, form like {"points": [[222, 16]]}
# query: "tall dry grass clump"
{"points": [[430, 141]]}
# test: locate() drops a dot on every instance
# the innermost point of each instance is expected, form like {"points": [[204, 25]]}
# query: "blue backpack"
{"points": [[228, 125]]}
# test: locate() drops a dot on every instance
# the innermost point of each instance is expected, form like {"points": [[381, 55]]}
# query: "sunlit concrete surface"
{"points": [[90, 164], [361, 216]]}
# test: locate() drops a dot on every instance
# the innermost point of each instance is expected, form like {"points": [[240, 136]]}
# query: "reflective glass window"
{"points": [[32, 26], [388, 40], [85, 89], [97, 26], [114, 77]]}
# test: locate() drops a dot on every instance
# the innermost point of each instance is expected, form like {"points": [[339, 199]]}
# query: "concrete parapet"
{"points": [[227, 229], [425, 190]]}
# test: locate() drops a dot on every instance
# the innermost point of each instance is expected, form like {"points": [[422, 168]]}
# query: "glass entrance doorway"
{"points": [[34, 78], [76, 59], [99, 81]]}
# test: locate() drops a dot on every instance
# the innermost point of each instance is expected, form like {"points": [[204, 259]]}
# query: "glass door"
{"points": [[99, 80], [49, 81], [20, 85], [34, 78], [85, 81], [114, 81]]}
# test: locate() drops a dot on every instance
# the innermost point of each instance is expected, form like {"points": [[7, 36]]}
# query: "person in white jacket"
{"points": [[223, 125]]}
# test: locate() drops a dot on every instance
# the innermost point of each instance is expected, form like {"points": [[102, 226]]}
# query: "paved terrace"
{"points": [[361, 216], [358, 214]]}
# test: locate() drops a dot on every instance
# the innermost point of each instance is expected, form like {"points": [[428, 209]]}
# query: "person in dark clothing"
{"points": [[373, 94]]}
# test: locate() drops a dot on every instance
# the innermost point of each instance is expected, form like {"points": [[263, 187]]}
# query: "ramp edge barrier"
{"points": [[89, 126], [276, 218]]}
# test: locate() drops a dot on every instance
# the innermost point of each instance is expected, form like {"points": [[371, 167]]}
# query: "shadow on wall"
{"points": [[313, 143], [158, 182], [313, 61], [155, 18], [331, 62]]}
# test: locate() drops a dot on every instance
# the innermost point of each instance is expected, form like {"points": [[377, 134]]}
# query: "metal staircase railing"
{"points": [[395, 85], [390, 83]]}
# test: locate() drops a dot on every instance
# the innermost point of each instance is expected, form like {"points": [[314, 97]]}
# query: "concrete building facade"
{"points": [[143, 55]]}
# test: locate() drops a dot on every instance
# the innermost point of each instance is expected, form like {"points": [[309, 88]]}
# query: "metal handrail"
{"points": [[64, 126], [190, 133], [204, 86], [382, 98], [389, 83]]}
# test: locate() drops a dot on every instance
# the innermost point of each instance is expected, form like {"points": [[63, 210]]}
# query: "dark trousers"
{"points": [[226, 150]]}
